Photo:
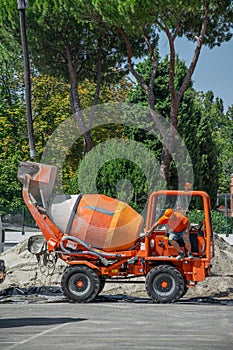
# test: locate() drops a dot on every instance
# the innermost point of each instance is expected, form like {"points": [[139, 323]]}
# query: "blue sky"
{"points": [[214, 70]]}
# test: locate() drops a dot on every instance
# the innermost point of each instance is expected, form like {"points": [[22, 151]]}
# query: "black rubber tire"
{"points": [[164, 284], [102, 284], [80, 284], [185, 290]]}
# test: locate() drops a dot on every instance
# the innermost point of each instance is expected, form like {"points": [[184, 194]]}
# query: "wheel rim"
{"points": [[164, 284], [79, 284]]}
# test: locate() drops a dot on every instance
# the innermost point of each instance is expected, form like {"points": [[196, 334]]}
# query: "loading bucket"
{"points": [[105, 223], [42, 181]]}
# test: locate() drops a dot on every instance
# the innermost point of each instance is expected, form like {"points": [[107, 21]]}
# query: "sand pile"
{"points": [[220, 283], [23, 271]]}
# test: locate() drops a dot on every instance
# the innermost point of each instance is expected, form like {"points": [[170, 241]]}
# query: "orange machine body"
{"points": [[106, 223], [106, 234], [103, 222]]}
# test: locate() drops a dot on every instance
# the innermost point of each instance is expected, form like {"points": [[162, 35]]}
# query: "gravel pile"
{"points": [[23, 271]]}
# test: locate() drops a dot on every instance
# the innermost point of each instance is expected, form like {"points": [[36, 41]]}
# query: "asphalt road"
{"points": [[116, 325]]}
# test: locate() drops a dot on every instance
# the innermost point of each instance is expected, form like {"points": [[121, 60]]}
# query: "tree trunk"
{"points": [[176, 96], [75, 102], [99, 80]]}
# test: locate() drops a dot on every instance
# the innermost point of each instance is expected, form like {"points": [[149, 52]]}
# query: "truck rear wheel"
{"points": [[164, 284], [80, 284]]}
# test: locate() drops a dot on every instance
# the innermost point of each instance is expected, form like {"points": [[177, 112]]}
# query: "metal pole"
{"points": [[22, 5], [231, 194], [226, 214]]}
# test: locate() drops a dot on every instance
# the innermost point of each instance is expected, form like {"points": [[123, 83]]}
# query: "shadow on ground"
{"points": [[51, 294], [41, 321]]}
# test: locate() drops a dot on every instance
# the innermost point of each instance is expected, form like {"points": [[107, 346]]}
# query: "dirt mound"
{"points": [[220, 283], [23, 271]]}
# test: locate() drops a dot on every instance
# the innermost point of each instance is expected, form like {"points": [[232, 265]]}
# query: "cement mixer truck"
{"points": [[102, 239]]}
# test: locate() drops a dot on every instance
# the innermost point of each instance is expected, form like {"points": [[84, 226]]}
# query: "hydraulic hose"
{"points": [[90, 251], [85, 245], [66, 251]]}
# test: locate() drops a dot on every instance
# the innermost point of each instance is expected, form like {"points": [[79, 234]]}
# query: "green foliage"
{"points": [[198, 124], [50, 108], [60, 37], [179, 17], [203, 22], [10, 189], [57, 29], [220, 223], [13, 134], [10, 45], [121, 169], [207, 166], [162, 106], [161, 84], [224, 137]]}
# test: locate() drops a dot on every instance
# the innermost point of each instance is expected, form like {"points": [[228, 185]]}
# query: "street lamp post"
{"points": [[22, 5]]}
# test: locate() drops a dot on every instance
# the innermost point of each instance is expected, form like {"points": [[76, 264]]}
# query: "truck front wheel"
{"points": [[80, 284], [164, 284], [102, 284]]}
